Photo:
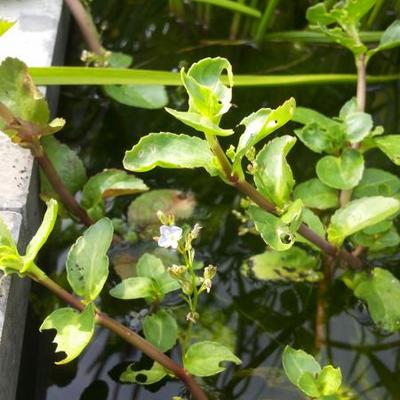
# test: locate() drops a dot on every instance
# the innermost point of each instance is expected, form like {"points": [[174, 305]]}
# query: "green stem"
{"points": [[86, 26], [250, 191], [58, 185], [266, 20], [345, 195], [374, 13], [123, 332]]}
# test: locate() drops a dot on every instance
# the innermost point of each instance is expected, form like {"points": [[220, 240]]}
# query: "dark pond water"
{"points": [[258, 318]]}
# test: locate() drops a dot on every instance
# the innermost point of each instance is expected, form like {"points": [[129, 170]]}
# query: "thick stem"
{"points": [[250, 191], [321, 318], [86, 26], [58, 185], [126, 334], [345, 195]]}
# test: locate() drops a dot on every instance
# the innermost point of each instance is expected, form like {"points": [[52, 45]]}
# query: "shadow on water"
{"points": [[257, 318]]}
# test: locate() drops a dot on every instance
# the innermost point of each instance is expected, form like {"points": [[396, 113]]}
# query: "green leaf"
{"points": [[360, 214], [356, 9], [208, 96], [168, 150], [389, 39], [294, 265], [314, 194], [87, 262], [106, 184], [161, 330], [133, 288], [318, 14], [273, 231], [42, 233], [119, 60], [200, 123], [343, 172], [10, 260], [358, 125], [306, 116], [298, 363], [68, 165], [377, 182], [377, 241], [142, 212], [144, 376], [390, 145], [381, 291], [262, 123], [314, 223], [19, 94], [74, 330], [272, 173], [329, 380], [5, 25], [205, 358], [150, 266], [322, 138], [234, 6], [149, 97]]}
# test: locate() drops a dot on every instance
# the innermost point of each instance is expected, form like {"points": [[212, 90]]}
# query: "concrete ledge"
{"points": [[37, 40]]}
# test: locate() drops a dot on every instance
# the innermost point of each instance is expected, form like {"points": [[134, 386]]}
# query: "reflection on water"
{"points": [[259, 319]]}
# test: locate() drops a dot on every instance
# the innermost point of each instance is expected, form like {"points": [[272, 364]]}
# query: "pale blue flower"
{"points": [[169, 236]]}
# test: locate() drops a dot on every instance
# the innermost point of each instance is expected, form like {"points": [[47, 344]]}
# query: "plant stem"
{"points": [[320, 318], [58, 185], [125, 333], [345, 195], [250, 191], [235, 23], [86, 26], [374, 13], [266, 20]]}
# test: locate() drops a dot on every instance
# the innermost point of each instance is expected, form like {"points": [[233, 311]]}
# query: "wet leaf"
{"points": [[377, 241], [161, 330], [381, 291], [68, 165], [273, 231], [358, 125], [314, 194], [272, 173], [205, 358], [169, 150], [306, 116], [208, 96], [343, 172], [262, 123], [390, 145], [87, 262], [360, 214], [106, 184], [377, 182], [74, 330], [294, 264], [42, 234], [200, 123], [144, 376]]}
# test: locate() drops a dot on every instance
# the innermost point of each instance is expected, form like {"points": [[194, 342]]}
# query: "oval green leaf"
{"points": [[343, 172], [360, 214], [314, 194], [205, 358], [87, 262]]}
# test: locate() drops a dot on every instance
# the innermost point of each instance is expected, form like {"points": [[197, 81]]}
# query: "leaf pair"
{"points": [[87, 271], [152, 282], [307, 375]]}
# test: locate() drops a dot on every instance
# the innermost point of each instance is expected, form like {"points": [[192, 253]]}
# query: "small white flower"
{"points": [[170, 236]]}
